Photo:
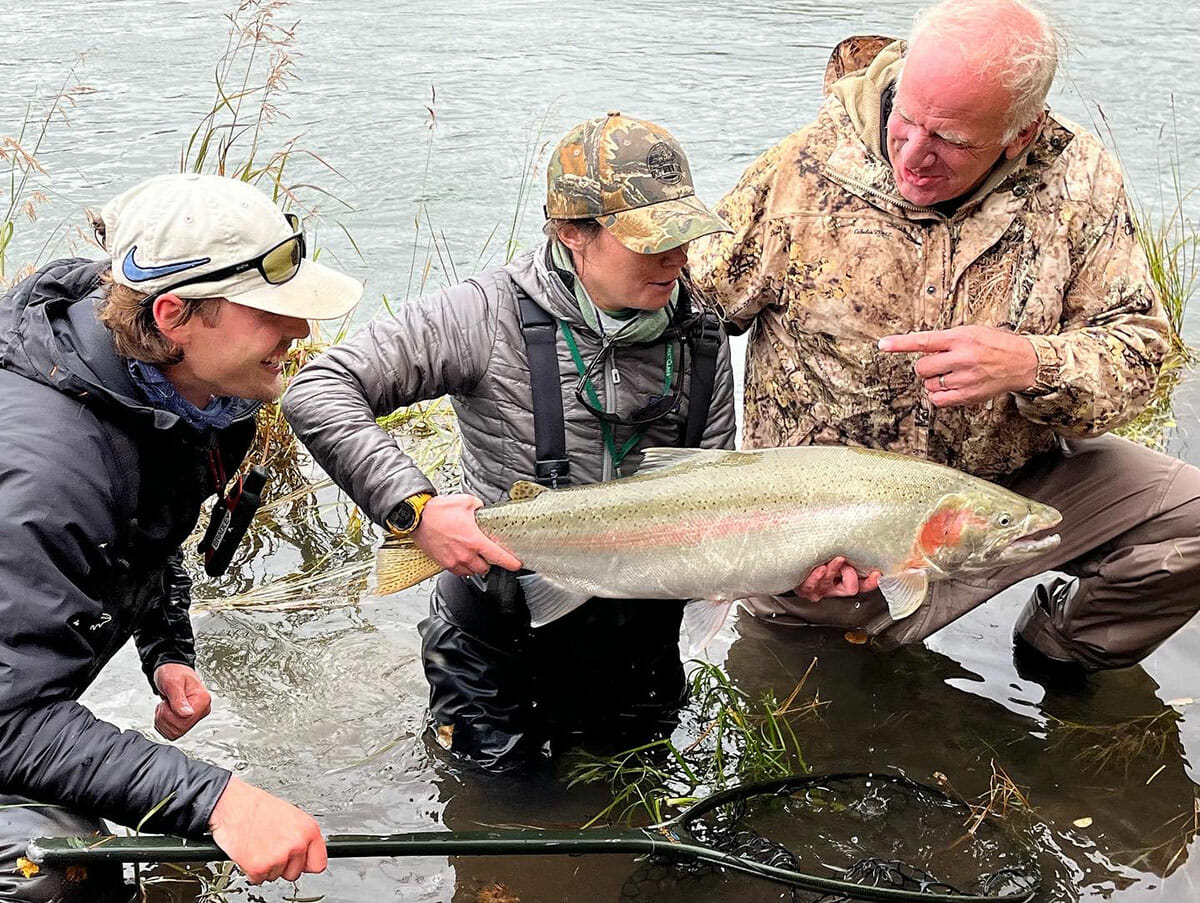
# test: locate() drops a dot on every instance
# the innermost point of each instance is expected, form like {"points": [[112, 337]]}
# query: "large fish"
{"points": [[716, 526]]}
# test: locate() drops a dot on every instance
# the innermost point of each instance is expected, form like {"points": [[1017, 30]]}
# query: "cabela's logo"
{"points": [[664, 164]]}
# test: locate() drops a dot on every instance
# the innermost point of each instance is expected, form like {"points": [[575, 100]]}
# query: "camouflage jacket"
{"points": [[826, 257]]}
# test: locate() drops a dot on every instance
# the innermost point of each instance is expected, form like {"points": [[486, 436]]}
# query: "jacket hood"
{"points": [[861, 92], [868, 66], [49, 334]]}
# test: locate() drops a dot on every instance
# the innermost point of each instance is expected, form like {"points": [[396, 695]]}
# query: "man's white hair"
{"points": [[1013, 44]]}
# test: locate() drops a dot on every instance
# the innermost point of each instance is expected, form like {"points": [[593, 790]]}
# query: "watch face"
{"points": [[403, 517]]}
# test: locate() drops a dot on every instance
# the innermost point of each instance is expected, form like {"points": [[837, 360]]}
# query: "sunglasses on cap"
{"points": [[276, 265]]}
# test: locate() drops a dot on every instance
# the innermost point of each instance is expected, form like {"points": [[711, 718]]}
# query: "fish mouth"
{"points": [[1023, 549]]}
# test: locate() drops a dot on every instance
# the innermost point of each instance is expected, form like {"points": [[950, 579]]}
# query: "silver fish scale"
{"points": [[727, 525]]}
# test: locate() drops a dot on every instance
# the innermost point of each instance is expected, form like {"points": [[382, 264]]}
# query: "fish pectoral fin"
{"points": [[524, 489], [400, 564], [661, 458], [547, 600], [904, 592], [702, 619]]}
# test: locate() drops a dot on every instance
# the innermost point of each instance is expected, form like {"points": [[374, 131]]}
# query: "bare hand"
{"points": [[185, 700], [267, 837], [449, 535], [836, 579], [968, 364]]}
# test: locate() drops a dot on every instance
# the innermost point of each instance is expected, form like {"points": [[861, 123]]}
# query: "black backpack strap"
{"points": [[704, 374], [550, 439]]}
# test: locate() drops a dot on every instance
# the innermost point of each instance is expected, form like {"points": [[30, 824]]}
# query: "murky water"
{"points": [[323, 701]]}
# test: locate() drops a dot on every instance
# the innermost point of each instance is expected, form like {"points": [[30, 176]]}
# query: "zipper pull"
{"points": [[616, 376]]}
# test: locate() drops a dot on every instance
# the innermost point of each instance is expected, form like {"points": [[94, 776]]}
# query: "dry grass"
{"points": [[1003, 797], [20, 154]]}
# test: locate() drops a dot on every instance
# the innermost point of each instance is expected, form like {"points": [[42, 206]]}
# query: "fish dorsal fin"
{"points": [[524, 489], [661, 458], [904, 591]]}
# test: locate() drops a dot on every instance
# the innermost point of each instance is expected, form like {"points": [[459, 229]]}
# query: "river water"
{"points": [[323, 700]]}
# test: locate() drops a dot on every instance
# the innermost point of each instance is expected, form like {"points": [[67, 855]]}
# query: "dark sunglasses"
{"points": [[658, 407], [276, 265]]}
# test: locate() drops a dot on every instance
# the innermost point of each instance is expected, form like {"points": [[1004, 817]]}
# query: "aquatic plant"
{"points": [[1146, 739], [1172, 246], [732, 741]]}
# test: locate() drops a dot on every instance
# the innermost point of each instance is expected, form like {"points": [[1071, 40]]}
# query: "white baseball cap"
{"points": [[168, 232]]}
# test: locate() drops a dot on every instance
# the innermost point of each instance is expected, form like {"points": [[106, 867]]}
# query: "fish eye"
{"points": [[1004, 520]]}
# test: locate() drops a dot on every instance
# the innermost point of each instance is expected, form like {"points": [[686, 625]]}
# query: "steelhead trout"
{"points": [[716, 526]]}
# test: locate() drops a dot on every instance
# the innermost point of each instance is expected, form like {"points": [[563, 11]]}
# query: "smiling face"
{"points": [[617, 278], [238, 352], [947, 127]]}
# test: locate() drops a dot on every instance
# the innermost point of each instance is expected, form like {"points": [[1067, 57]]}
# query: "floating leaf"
{"points": [[1085, 822], [27, 868]]}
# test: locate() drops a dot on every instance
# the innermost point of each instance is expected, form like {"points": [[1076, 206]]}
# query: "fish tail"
{"points": [[399, 565]]}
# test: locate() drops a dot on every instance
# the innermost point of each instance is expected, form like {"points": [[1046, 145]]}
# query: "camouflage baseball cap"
{"points": [[632, 177]]}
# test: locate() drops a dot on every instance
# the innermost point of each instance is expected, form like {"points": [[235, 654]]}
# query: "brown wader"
{"points": [[1130, 539]]}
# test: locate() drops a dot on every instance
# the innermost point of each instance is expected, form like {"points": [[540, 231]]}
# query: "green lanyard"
{"points": [[606, 428]]}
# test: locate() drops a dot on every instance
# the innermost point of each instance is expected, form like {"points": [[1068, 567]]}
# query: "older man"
{"points": [[939, 266], [130, 386]]}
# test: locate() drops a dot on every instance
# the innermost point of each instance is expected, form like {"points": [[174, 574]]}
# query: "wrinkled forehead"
{"points": [[948, 85]]}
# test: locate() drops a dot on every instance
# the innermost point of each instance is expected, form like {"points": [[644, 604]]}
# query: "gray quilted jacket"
{"points": [[466, 342]]}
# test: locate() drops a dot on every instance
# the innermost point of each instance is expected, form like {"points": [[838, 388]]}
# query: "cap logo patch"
{"points": [[134, 272], [664, 164]]}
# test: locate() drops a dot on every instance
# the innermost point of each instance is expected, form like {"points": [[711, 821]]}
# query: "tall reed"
{"points": [[19, 154]]}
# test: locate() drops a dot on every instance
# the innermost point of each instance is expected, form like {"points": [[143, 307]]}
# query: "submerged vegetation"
{"points": [[734, 740]]}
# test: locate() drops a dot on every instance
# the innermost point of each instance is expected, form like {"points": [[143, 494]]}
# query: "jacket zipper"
{"points": [[611, 378]]}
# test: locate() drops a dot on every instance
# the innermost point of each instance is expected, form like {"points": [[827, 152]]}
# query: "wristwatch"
{"points": [[406, 516]]}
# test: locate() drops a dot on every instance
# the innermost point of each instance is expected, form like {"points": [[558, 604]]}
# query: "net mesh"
{"points": [[876, 831]]}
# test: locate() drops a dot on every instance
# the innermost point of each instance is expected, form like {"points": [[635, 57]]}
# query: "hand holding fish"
{"points": [[835, 580], [450, 536], [185, 700], [968, 364]]}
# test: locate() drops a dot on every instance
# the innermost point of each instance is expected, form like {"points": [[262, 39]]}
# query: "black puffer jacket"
{"points": [[97, 492]]}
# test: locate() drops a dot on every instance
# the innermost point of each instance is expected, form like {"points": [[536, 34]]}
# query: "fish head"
{"points": [[982, 528]]}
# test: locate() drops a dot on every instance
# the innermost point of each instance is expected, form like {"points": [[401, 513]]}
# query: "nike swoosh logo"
{"points": [[135, 273]]}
